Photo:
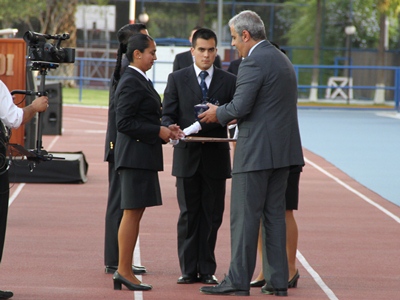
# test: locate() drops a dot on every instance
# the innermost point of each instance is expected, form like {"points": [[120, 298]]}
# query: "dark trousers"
{"points": [[258, 195], [4, 195], [201, 204], [113, 217]]}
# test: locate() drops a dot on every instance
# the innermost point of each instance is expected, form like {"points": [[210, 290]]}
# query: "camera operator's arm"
{"points": [[13, 116], [38, 105]]}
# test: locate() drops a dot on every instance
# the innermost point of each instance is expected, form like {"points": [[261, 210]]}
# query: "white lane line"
{"points": [[302, 259], [21, 185], [362, 196], [331, 295], [16, 193], [86, 121], [53, 142], [138, 295]]}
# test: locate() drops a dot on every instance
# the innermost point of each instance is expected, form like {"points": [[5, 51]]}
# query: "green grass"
{"points": [[93, 97], [89, 97]]}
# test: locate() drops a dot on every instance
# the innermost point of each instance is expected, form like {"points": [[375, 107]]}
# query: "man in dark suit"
{"points": [[201, 169], [185, 59], [234, 66], [265, 105]]}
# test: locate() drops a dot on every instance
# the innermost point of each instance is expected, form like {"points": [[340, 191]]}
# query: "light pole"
{"points": [[143, 17], [132, 11], [350, 30]]}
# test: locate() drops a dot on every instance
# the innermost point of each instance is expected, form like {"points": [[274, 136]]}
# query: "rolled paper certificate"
{"points": [[199, 109]]}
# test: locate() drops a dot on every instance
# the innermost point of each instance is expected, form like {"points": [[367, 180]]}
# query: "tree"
{"points": [[46, 16], [317, 46], [385, 9]]}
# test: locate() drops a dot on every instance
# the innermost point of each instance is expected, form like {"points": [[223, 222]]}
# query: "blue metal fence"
{"points": [[83, 75]]}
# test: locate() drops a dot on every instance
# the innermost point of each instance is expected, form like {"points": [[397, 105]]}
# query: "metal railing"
{"points": [[94, 72]]}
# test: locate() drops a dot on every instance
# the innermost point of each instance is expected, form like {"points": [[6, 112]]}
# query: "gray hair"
{"points": [[250, 21]]}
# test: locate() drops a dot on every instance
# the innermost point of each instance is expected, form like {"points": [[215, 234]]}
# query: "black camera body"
{"points": [[40, 50]]}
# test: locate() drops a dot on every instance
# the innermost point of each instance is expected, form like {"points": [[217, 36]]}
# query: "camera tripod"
{"points": [[38, 154]]}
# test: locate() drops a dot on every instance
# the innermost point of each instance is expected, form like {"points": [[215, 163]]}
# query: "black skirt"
{"points": [[292, 189], [139, 188]]}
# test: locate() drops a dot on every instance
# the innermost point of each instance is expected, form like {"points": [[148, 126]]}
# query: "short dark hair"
{"points": [[126, 31], [203, 33], [139, 42], [123, 35]]}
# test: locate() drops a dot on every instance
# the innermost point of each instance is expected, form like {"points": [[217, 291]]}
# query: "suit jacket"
{"points": [[180, 96], [138, 113], [234, 66], [111, 134], [185, 59], [265, 104]]}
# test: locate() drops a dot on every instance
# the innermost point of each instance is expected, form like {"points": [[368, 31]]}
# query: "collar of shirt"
{"points": [[140, 71], [252, 48], [210, 72]]}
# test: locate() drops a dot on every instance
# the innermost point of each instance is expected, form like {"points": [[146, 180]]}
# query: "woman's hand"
{"points": [[176, 132]]}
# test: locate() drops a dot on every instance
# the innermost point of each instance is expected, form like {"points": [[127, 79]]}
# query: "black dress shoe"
{"points": [[270, 290], [257, 283], [6, 294], [187, 279], [208, 279], [137, 270], [119, 281], [224, 288]]}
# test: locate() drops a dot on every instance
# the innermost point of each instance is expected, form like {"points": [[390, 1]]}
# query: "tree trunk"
{"points": [[202, 12], [317, 46], [59, 18], [380, 80]]}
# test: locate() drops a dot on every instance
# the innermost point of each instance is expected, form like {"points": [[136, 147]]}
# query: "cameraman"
{"points": [[11, 116]]}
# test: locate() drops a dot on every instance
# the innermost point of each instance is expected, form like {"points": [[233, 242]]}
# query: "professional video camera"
{"points": [[43, 56], [40, 50]]}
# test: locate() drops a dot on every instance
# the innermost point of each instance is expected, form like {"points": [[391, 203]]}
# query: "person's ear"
{"points": [[246, 36], [137, 54]]}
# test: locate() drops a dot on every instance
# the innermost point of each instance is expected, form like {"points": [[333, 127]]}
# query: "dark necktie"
{"points": [[203, 85]]}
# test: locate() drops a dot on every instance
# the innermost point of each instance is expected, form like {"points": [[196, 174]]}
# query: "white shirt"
{"points": [[252, 48], [210, 72], [140, 71], [10, 114]]}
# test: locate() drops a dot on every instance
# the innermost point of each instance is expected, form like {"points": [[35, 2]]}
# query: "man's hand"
{"points": [[192, 129], [210, 115], [40, 104]]}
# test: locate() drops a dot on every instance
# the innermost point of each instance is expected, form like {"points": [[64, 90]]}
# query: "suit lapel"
{"points": [[148, 84], [216, 83], [152, 89], [192, 84]]}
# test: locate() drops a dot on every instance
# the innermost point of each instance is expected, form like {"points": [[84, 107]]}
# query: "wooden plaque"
{"points": [[13, 74]]}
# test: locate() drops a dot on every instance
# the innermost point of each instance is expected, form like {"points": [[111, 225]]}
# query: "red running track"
{"points": [[349, 244]]}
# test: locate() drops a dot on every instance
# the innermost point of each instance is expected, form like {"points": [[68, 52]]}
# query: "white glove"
{"points": [[192, 129], [173, 142], [236, 133]]}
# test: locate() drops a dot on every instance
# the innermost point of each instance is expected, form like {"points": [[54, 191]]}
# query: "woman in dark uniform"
{"points": [[138, 152]]}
